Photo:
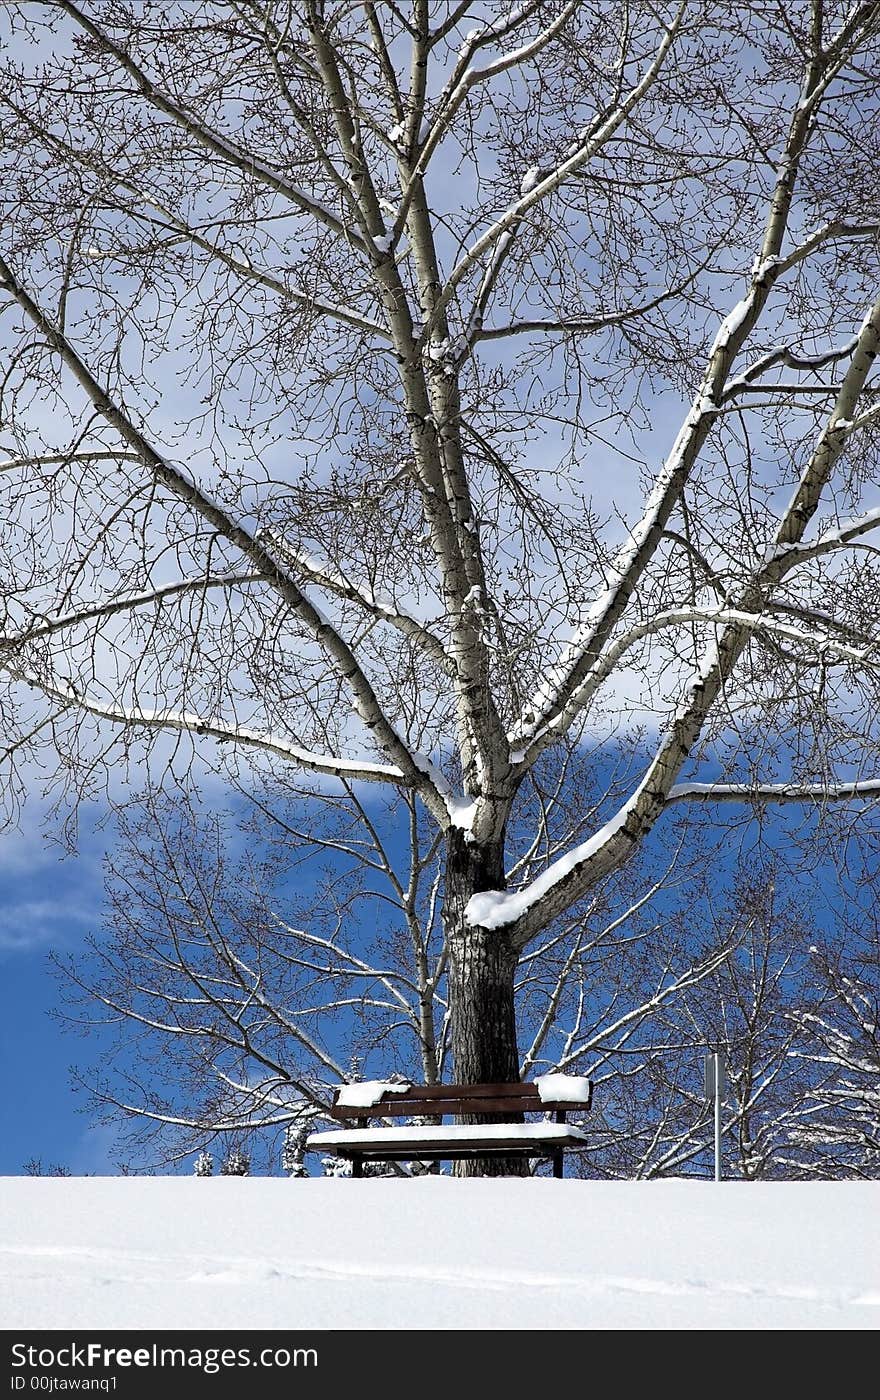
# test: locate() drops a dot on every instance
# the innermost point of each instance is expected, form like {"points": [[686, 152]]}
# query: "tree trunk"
{"points": [[481, 975]]}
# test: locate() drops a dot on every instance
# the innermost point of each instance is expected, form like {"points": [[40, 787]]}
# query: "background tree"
{"points": [[753, 1003], [239, 979], [838, 1130], [327, 328], [235, 1163]]}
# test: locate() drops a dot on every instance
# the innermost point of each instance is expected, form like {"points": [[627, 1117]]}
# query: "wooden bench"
{"points": [[500, 1129]]}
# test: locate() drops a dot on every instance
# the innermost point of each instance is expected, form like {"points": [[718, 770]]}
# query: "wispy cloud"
{"points": [[50, 897], [93, 1153], [30, 924]]}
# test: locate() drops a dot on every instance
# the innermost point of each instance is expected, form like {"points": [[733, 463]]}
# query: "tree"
{"points": [[238, 978], [327, 328], [838, 1132], [749, 1007], [294, 1149], [752, 1004], [34, 1167], [235, 1163]]}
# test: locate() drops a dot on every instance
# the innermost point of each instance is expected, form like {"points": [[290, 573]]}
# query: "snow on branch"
{"points": [[573, 873], [837, 538], [824, 642], [829, 445], [785, 355], [553, 706], [495, 909], [583, 325], [608, 1037], [867, 789], [540, 721], [527, 910], [837, 229], [548, 711], [136, 717]]}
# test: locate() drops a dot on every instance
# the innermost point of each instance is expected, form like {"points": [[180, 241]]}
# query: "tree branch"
{"points": [[819, 793], [181, 485], [211, 141]]}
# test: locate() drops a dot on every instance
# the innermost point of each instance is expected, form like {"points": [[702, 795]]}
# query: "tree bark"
{"points": [[482, 966]]}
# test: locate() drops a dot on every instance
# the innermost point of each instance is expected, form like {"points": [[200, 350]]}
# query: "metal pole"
{"points": [[718, 1073]]}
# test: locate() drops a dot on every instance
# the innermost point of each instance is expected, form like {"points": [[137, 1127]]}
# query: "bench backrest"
{"points": [[425, 1100]]}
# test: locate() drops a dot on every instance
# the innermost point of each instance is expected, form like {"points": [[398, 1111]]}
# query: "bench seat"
{"points": [[437, 1139]]}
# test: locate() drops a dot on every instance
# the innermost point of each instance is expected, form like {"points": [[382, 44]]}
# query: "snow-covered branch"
{"points": [[825, 643], [542, 719], [525, 911], [138, 717], [866, 789], [610, 1037], [838, 537], [785, 355]]}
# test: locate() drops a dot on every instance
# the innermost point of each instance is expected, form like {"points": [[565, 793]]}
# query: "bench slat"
{"points": [[477, 1091], [423, 1108]]}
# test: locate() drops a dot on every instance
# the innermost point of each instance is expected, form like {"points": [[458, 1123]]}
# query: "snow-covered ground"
{"points": [[325, 1253]]}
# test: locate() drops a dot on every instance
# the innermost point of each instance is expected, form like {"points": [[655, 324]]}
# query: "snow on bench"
{"points": [[438, 1141]]}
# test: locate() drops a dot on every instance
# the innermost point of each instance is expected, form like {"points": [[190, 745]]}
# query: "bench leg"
{"points": [[557, 1165], [357, 1166]]}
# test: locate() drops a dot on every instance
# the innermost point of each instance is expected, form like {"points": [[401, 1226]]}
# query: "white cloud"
{"points": [[30, 924]]}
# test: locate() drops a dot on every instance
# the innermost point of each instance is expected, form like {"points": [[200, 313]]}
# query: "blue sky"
{"points": [[47, 901]]}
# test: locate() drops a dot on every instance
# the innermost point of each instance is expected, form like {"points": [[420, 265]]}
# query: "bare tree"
{"points": [[406, 395], [252, 960], [249, 964], [750, 1005], [794, 1006], [749, 1008], [242, 975], [837, 1133], [801, 1089]]}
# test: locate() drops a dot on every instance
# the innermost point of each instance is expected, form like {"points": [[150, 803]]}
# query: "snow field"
{"points": [[437, 1253]]}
